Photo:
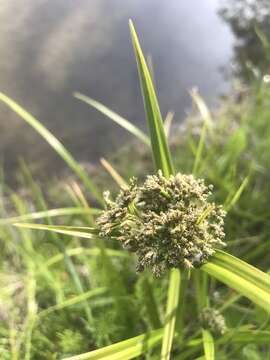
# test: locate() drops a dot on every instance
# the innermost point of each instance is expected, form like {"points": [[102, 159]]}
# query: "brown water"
{"points": [[51, 48]]}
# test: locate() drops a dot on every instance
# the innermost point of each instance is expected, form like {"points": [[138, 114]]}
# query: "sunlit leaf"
{"points": [[168, 123], [160, 150], [208, 345], [78, 231], [124, 350], [249, 272], [114, 174], [49, 214], [242, 277], [172, 302]]}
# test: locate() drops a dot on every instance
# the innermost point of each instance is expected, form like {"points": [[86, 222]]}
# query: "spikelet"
{"points": [[167, 222]]}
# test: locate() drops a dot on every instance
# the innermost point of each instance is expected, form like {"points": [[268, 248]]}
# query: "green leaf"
{"points": [[160, 150], [247, 271], [249, 337], [240, 276], [237, 194], [251, 352], [162, 161], [134, 130], [114, 174], [208, 345], [172, 303], [124, 350], [93, 251], [55, 144], [168, 123], [150, 303], [77, 231], [49, 214], [74, 300]]}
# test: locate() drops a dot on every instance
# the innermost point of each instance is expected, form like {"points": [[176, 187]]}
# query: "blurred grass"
{"points": [[48, 305]]}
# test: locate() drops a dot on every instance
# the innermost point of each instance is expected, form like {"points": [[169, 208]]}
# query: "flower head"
{"points": [[213, 320], [167, 222]]}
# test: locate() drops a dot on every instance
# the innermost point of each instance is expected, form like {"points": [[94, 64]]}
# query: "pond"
{"points": [[49, 49]]}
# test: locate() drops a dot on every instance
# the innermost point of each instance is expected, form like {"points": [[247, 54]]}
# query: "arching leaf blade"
{"points": [[50, 214], [55, 144], [241, 284], [243, 269], [77, 231], [118, 119], [124, 350]]}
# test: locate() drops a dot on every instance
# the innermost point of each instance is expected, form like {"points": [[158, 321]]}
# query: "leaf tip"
{"points": [[76, 94], [131, 25], [132, 29]]}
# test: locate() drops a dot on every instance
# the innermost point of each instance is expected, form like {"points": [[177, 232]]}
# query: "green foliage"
{"points": [[61, 295], [160, 150], [249, 21], [114, 117]]}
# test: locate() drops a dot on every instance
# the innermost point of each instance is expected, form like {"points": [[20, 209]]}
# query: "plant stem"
{"points": [[172, 303], [181, 305]]}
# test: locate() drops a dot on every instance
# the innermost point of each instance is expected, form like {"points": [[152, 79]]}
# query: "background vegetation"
{"points": [[62, 295]]}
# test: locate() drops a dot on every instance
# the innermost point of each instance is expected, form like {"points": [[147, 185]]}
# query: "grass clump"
{"points": [[73, 292]]}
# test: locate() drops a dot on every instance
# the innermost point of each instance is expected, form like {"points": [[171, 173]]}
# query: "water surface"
{"points": [[50, 48]]}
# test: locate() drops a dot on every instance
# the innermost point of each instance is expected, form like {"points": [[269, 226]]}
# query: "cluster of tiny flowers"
{"points": [[212, 320], [167, 222]]}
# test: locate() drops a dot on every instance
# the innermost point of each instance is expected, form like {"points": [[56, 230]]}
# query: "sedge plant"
{"points": [[170, 222]]}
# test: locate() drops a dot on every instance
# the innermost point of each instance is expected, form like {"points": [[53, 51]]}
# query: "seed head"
{"points": [[167, 222], [212, 320]]}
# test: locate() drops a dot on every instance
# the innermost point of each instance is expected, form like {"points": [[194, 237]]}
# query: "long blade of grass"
{"points": [[124, 123], [124, 350], [237, 195], [114, 174], [93, 251], [160, 149], [73, 301], [172, 302], [168, 123], [55, 144], [232, 337], [201, 289], [162, 160], [208, 345], [207, 123], [53, 236], [77, 231], [180, 316], [150, 304], [249, 272], [238, 276], [251, 337], [49, 214], [202, 107], [78, 193]]}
